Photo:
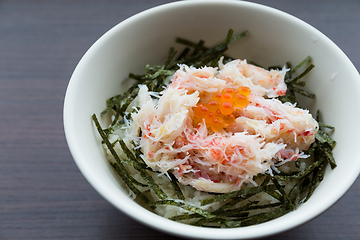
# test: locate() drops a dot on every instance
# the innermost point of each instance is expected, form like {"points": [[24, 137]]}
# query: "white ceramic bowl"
{"points": [[275, 37]]}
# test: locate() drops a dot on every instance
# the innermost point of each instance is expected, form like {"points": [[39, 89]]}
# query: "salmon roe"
{"points": [[218, 112]]}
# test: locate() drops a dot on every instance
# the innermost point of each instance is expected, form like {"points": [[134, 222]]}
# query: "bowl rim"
{"points": [[157, 222]]}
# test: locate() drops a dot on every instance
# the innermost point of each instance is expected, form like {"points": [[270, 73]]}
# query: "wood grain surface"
{"points": [[42, 193]]}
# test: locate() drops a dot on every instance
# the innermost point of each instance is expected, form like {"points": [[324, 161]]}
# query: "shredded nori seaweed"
{"points": [[241, 192], [119, 167], [175, 184], [237, 208]]}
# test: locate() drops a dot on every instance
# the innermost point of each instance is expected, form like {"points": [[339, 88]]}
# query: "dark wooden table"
{"points": [[42, 193]]}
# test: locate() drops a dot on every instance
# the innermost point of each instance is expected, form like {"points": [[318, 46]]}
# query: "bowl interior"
{"points": [[275, 38]]}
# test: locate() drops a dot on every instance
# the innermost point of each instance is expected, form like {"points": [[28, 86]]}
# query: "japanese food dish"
{"points": [[213, 141]]}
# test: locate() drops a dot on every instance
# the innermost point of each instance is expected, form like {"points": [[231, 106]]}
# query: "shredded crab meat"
{"points": [[265, 134]]}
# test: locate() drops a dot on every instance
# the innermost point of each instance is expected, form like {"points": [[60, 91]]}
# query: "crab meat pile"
{"points": [[264, 134]]}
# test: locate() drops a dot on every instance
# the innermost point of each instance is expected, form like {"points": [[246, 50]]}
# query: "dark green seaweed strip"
{"points": [[230, 204], [263, 217], [117, 124], [143, 173], [192, 44], [207, 56], [331, 159], [258, 218], [317, 177], [304, 185], [317, 117], [288, 97], [137, 163], [240, 212], [290, 82], [112, 128], [185, 217], [156, 75], [199, 46], [220, 222], [302, 63], [127, 101], [324, 143], [323, 125], [127, 151], [176, 187], [202, 221], [300, 83], [244, 191], [138, 78], [150, 69], [116, 101], [153, 79], [160, 73], [136, 182], [302, 91], [233, 202], [187, 207], [286, 199], [171, 55], [183, 54], [235, 212], [152, 184], [324, 138], [292, 173], [296, 186], [266, 180], [124, 176], [239, 36], [303, 173], [275, 195], [131, 179], [119, 167], [116, 118], [137, 152], [296, 200], [296, 79], [327, 151], [288, 74], [214, 58], [112, 102], [216, 212]]}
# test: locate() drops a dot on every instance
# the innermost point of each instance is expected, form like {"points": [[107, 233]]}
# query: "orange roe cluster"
{"points": [[218, 112]]}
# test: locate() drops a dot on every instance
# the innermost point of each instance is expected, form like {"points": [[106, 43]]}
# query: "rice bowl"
{"points": [[111, 48]]}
